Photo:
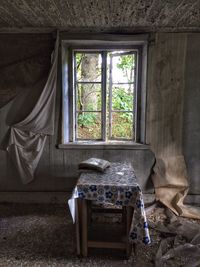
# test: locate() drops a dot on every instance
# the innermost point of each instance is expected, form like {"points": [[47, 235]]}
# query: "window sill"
{"points": [[120, 145]]}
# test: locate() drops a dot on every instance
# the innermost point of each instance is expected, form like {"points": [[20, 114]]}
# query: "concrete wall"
{"points": [[57, 170]]}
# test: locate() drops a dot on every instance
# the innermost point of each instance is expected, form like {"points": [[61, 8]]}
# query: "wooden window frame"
{"points": [[135, 51], [103, 96], [72, 43]]}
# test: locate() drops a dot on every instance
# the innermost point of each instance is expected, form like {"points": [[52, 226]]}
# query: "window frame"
{"points": [[71, 43], [103, 96], [135, 98]]}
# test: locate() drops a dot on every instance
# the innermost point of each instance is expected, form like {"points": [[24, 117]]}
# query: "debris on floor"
{"points": [[43, 235], [180, 239]]}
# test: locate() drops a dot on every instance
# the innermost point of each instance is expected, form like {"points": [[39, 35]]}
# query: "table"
{"points": [[118, 186]]}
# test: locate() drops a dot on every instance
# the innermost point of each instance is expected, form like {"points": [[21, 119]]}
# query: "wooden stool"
{"points": [[85, 241]]}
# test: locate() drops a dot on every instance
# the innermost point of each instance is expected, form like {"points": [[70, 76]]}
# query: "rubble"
{"points": [[180, 239], [43, 235]]}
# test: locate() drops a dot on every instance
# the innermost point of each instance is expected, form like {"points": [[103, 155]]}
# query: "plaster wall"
{"points": [[57, 170], [191, 112]]}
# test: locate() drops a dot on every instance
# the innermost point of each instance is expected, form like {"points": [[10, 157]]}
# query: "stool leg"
{"points": [[129, 214], [84, 228]]}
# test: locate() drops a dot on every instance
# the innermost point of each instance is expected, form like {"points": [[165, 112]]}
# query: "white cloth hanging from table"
{"points": [[117, 185]]}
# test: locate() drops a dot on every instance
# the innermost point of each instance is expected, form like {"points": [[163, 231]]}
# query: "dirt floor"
{"points": [[43, 235]]}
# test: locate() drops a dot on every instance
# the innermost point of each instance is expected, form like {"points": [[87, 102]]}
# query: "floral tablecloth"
{"points": [[118, 186]]}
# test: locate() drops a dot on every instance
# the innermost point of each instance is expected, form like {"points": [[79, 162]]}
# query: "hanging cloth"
{"points": [[167, 76], [27, 138]]}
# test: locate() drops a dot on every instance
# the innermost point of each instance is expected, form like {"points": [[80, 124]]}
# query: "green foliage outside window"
{"points": [[86, 119], [89, 123]]}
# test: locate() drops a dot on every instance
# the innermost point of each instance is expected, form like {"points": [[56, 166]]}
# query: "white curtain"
{"points": [[27, 138]]}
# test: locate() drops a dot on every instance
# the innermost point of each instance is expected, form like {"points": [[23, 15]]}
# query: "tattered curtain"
{"points": [[27, 137]]}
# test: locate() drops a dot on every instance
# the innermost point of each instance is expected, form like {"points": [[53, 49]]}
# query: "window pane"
{"points": [[89, 125], [123, 68], [88, 97], [122, 97], [122, 125], [88, 67]]}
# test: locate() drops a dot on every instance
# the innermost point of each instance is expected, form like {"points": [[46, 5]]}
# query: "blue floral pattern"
{"points": [[118, 186]]}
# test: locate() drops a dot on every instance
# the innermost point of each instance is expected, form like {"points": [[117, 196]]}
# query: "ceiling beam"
{"points": [[122, 30]]}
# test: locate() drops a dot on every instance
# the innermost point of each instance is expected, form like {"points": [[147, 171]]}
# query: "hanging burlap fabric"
{"points": [[165, 122]]}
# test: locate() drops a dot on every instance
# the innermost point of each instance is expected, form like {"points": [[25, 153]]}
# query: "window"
{"points": [[103, 91]]}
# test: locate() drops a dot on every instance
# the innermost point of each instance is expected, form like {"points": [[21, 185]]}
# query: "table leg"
{"points": [[77, 223], [84, 228], [124, 215], [129, 215]]}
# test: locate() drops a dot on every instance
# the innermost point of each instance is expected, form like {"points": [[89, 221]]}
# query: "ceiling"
{"points": [[100, 15]]}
